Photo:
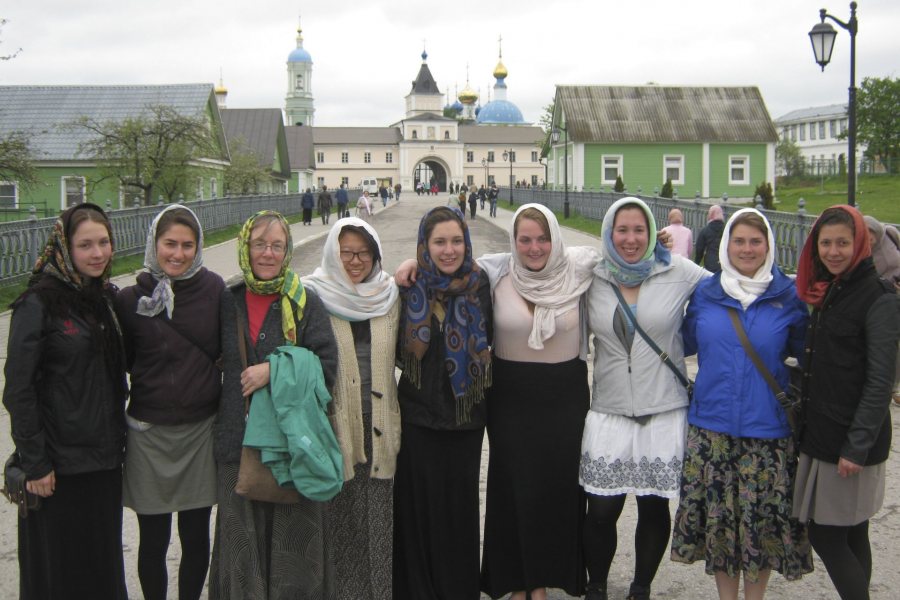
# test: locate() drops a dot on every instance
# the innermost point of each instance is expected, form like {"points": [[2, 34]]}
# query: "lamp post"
{"points": [[822, 37], [554, 136], [484, 163], [509, 155]]}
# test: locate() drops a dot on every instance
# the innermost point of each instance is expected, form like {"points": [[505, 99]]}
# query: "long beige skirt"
{"points": [[823, 496]]}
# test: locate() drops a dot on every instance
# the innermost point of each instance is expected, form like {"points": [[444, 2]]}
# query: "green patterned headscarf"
{"points": [[287, 283]]}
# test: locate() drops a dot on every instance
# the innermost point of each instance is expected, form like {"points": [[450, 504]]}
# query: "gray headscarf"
{"points": [[163, 296]]}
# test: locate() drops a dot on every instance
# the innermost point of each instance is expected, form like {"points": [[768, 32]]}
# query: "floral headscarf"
{"points": [[813, 278], [163, 296], [55, 259], [468, 356], [287, 284], [631, 275]]}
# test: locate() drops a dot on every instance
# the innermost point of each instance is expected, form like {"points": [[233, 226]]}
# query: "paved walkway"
{"points": [[673, 581]]}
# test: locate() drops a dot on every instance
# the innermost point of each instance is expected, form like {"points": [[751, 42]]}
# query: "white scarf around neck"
{"points": [[740, 287]]}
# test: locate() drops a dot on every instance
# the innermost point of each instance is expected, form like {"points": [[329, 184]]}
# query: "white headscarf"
{"points": [[163, 295], [350, 301], [557, 287], [740, 287]]}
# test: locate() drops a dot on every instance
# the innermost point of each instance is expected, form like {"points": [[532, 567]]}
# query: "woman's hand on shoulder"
{"points": [[665, 238], [43, 487], [847, 468], [405, 275], [254, 377]]}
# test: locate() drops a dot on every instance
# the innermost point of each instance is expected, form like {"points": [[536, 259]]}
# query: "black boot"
{"points": [[596, 591], [638, 592]]}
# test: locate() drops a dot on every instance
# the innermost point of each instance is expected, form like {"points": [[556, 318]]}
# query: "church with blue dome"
{"points": [[299, 106], [500, 111]]}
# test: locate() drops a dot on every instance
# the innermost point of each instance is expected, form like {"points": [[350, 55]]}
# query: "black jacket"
{"points": [[174, 378], [851, 348], [707, 246], [433, 405], [67, 408], [313, 332]]}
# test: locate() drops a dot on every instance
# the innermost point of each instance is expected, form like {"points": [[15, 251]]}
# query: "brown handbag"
{"points": [[255, 480]]}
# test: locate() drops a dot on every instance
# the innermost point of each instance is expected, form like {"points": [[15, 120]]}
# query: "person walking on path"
{"points": [[170, 321], [492, 197], [473, 202], [735, 420], [307, 203], [845, 435], [324, 204], [363, 306], [682, 237], [65, 393], [364, 206], [707, 248], [397, 188], [482, 196], [383, 192], [342, 202]]}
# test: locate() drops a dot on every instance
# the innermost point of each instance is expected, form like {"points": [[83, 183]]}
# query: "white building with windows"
{"points": [[816, 132]]}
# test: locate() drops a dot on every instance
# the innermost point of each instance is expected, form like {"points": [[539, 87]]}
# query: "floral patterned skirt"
{"points": [[735, 508]]}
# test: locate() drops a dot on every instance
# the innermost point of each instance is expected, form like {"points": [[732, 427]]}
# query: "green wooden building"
{"points": [[707, 140]]}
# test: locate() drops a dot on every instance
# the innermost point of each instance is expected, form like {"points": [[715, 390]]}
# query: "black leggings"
{"points": [[847, 557], [651, 538], [156, 530]]}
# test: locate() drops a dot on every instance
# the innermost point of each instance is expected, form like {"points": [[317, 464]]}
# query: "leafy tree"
{"points": [[244, 174], [620, 185], [764, 191], [16, 159], [546, 121], [878, 120], [7, 56], [154, 152], [667, 190], [789, 157]]}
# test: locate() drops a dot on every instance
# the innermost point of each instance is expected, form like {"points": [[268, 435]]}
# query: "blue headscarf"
{"points": [[468, 355], [631, 274]]}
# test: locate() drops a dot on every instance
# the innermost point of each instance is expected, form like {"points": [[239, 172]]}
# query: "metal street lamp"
{"points": [[510, 156], [822, 37], [485, 164], [554, 137]]}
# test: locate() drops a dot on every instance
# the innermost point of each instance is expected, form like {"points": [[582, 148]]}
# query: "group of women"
{"points": [[498, 344]]}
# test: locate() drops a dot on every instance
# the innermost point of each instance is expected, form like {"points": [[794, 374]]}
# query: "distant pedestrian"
{"points": [[307, 203], [461, 200], [482, 196], [682, 237], [707, 248], [492, 198], [342, 201], [325, 204], [364, 206], [473, 202], [397, 189], [434, 189], [383, 193]]}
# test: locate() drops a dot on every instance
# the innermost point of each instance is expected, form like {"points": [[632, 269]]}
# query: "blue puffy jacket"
{"points": [[730, 396]]}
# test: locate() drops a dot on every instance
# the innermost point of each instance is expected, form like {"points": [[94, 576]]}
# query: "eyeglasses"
{"points": [[362, 255], [259, 247]]}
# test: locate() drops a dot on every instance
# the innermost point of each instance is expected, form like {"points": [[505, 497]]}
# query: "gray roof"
{"points": [[654, 114], [356, 135], [43, 109], [498, 134], [832, 111], [424, 82], [427, 116], [259, 131], [300, 147]]}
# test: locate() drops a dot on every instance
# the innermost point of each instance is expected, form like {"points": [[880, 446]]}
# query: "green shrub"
{"points": [[620, 185], [667, 190]]}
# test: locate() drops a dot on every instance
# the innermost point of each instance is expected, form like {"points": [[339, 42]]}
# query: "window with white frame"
{"points": [[738, 170], [446, 135], [470, 156], [611, 169], [9, 194], [812, 131], [470, 179], [73, 190], [821, 130], [490, 156], [345, 181], [367, 157], [673, 169], [320, 157], [345, 157], [802, 127], [491, 180], [832, 128], [793, 133], [534, 156], [213, 187], [512, 156], [415, 134], [389, 157], [534, 180], [321, 181]]}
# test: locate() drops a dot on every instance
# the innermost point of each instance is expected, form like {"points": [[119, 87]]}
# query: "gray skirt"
{"points": [[823, 496], [169, 468]]}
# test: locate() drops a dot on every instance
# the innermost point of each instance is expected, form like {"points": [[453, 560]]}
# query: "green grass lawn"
{"points": [[876, 195]]}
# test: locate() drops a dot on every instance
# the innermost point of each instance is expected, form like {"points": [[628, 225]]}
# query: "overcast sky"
{"points": [[365, 54]]}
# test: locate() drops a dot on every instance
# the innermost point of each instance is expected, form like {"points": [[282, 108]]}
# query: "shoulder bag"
{"points": [[14, 487], [789, 400]]}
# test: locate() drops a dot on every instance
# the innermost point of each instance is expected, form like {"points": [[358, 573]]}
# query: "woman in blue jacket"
{"points": [[740, 461]]}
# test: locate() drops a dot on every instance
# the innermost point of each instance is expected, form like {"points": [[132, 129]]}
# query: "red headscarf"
{"points": [[813, 278]]}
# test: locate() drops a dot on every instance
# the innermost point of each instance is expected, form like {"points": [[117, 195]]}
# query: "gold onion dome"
{"points": [[468, 95], [221, 89], [500, 70]]}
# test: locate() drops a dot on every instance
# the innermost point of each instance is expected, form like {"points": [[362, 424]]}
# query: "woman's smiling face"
{"points": [[630, 235]]}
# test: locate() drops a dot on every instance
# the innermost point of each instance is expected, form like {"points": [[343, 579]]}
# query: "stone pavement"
{"points": [[397, 226]]}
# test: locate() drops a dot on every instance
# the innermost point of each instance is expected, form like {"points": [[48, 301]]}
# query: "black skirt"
{"points": [[72, 546], [436, 519], [535, 506]]}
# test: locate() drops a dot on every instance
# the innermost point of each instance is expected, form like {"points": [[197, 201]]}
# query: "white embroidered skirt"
{"points": [[641, 456]]}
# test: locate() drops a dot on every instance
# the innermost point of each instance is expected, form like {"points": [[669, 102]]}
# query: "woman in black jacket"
{"points": [[170, 320], [65, 393], [846, 434], [445, 333]]}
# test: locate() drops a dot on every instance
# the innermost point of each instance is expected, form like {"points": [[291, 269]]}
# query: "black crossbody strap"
{"points": [[190, 338], [663, 356], [780, 394]]}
